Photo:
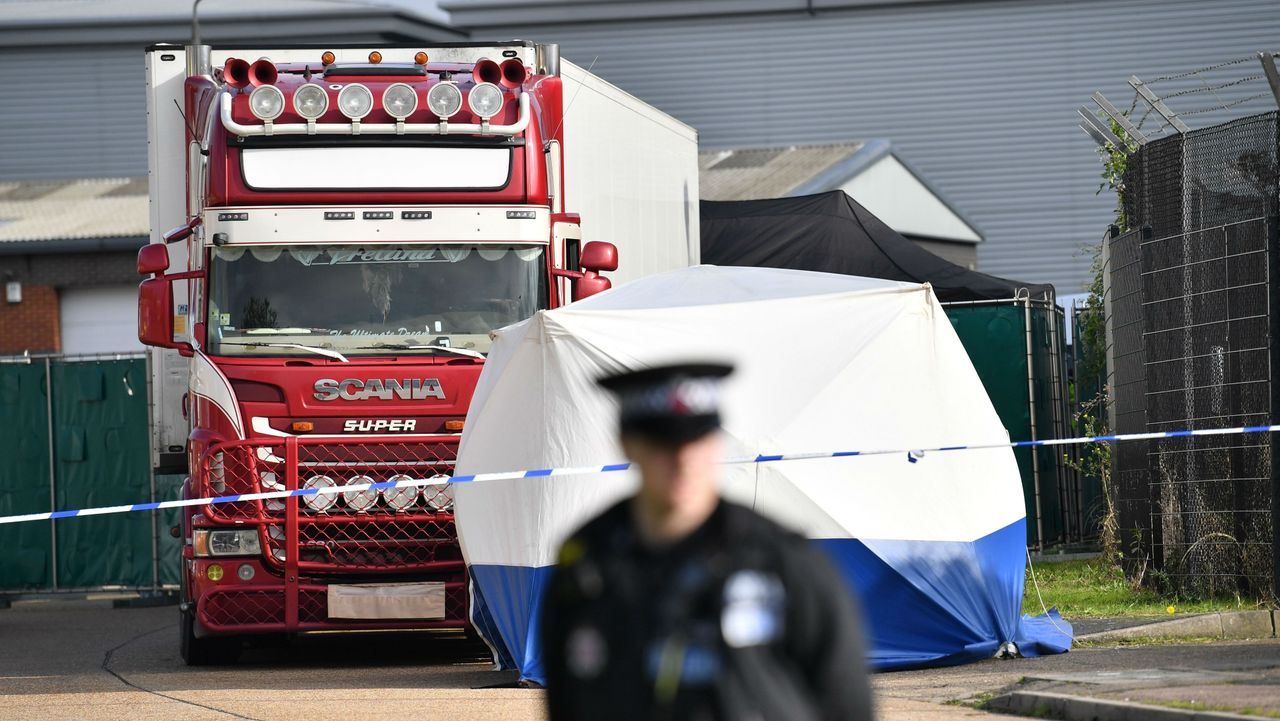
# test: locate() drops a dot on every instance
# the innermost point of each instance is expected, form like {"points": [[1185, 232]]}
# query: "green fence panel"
{"points": [[102, 459], [169, 488], [1050, 419], [26, 549], [994, 335]]}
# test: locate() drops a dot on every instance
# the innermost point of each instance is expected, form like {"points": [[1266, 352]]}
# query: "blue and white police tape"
{"points": [[913, 455]]}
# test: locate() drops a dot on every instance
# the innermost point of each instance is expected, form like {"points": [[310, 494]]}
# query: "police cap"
{"points": [[670, 403]]}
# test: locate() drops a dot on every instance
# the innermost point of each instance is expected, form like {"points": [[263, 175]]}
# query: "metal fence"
{"points": [[1205, 341], [75, 431], [1191, 334]]}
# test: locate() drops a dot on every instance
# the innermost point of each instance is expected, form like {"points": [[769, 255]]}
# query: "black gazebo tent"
{"points": [[830, 232]]}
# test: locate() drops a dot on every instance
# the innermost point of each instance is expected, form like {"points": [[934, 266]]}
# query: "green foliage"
{"points": [[1098, 588], [1114, 163], [1095, 461]]}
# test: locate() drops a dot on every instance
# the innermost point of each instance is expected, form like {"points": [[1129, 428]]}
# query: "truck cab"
{"points": [[336, 231]]}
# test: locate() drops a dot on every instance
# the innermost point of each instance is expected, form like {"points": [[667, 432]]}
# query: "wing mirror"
{"points": [[598, 256], [155, 300], [153, 258]]}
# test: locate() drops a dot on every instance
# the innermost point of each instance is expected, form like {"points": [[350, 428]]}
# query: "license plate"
{"points": [[381, 601]]}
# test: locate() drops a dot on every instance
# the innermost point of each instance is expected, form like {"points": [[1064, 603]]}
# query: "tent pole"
{"points": [[1031, 405]]}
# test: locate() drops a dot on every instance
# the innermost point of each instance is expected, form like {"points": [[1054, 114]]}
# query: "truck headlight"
{"points": [[266, 102], [320, 502], [401, 498], [485, 100], [439, 496], [444, 99], [360, 500], [232, 542]]}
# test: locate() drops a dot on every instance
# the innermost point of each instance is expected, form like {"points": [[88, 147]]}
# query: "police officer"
{"points": [[676, 604]]}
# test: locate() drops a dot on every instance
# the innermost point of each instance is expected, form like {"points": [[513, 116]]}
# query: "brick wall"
{"points": [[72, 269], [31, 325]]}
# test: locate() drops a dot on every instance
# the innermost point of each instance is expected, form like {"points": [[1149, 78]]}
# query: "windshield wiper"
{"points": [[318, 351], [442, 348]]}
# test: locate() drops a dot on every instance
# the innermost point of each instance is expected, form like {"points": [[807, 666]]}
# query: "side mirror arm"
{"points": [[182, 232]]}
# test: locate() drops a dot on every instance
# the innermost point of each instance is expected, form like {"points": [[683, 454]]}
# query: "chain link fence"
{"points": [[1190, 333]]}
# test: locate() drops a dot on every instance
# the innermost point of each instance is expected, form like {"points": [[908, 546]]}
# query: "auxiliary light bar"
{"points": [[441, 128]]}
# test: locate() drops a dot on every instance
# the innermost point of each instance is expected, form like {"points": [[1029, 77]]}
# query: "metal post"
{"points": [[1153, 486], [1031, 406], [292, 541], [1101, 128], [1273, 76], [1273, 360], [155, 515], [1108, 324], [1112, 112], [53, 472], [1158, 105]]}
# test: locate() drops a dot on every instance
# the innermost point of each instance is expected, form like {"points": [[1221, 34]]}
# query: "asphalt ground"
{"points": [[74, 660]]}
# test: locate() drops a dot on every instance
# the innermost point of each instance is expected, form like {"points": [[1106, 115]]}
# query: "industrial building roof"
{"points": [[37, 22], [868, 171], [44, 215]]}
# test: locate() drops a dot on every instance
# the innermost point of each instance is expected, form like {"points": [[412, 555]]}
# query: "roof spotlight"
{"points": [[444, 99], [355, 101], [399, 100], [485, 100], [310, 101], [266, 102]]}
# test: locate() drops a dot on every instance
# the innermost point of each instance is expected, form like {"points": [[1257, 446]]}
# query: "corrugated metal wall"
{"points": [[72, 112], [981, 96]]}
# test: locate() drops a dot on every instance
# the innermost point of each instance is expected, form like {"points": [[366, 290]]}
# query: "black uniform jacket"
{"points": [[740, 620]]}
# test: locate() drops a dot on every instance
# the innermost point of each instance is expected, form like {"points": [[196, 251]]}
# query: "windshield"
{"points": [[339, 301]]}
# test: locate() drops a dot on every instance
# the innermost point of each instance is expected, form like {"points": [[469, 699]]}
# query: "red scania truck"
{"points": [[335, 232]]}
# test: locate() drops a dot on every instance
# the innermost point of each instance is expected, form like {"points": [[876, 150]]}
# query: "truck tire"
{"points": [[209, 651]]}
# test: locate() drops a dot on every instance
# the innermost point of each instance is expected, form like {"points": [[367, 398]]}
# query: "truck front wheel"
{"points": [[208, 651]]}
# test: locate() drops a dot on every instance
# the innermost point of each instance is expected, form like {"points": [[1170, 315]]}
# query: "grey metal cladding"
{"points": [[980, 96], [73, 113]]}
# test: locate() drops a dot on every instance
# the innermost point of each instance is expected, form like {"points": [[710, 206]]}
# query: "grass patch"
{"points": [[1094, 588], [1146, 641]]}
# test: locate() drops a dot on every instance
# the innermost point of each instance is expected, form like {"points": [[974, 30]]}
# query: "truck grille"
{"points": [[393, 531]]}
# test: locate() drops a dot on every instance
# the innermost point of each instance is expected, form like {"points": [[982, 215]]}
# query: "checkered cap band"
{"points": [[679, 398]]}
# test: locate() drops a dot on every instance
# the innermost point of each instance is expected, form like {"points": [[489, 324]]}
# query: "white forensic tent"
{"points": [[933, 547]]}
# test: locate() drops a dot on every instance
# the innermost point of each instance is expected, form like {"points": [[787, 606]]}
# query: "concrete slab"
{"points": [[1250, 699], [1248, 624], [1080, 708], [1140, 677], [1229, 625]]}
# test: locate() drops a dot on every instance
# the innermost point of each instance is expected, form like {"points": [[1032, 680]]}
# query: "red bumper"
{"points": [[309, 546]]}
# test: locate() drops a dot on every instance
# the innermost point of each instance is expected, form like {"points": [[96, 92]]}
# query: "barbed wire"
{"points": [[1225, 106], [1202, 85], [1205, 69]]}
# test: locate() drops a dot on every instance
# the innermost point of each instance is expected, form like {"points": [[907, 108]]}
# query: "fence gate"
{"points": [[76, 437]]}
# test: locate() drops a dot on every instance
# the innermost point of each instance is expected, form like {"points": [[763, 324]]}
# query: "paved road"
{"points": [[61, 660]]}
